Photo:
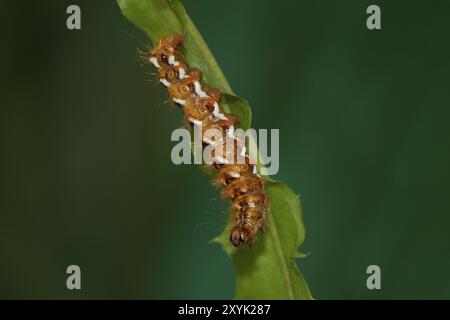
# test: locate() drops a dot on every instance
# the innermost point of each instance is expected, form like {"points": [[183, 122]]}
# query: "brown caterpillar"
{"points": [[201, 107]]}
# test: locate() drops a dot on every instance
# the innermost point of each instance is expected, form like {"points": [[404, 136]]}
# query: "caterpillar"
{"points": [[201, 107]]}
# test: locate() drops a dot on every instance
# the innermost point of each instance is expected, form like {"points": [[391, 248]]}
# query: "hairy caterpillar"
{"points": [[201, 107]]}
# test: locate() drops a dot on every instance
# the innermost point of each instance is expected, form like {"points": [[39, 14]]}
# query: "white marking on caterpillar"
{"points": [[216, 108], [154, 61], [172, 59], [217, 113], [198, 90], [234, 174], [179, 101], [165, 82], [181, 73]]}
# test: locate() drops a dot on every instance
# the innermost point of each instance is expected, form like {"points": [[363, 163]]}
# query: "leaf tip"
{"points": [[301, 255]]}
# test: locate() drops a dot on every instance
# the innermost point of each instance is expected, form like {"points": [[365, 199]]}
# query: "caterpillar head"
{"points": [[166, 49], [241, 235], [174, 40]]}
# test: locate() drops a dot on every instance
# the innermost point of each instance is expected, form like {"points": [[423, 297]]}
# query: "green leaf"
{"points": [[267, 270]]}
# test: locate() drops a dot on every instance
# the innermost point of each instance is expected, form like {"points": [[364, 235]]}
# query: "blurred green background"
{"points": [[86, 176]]}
